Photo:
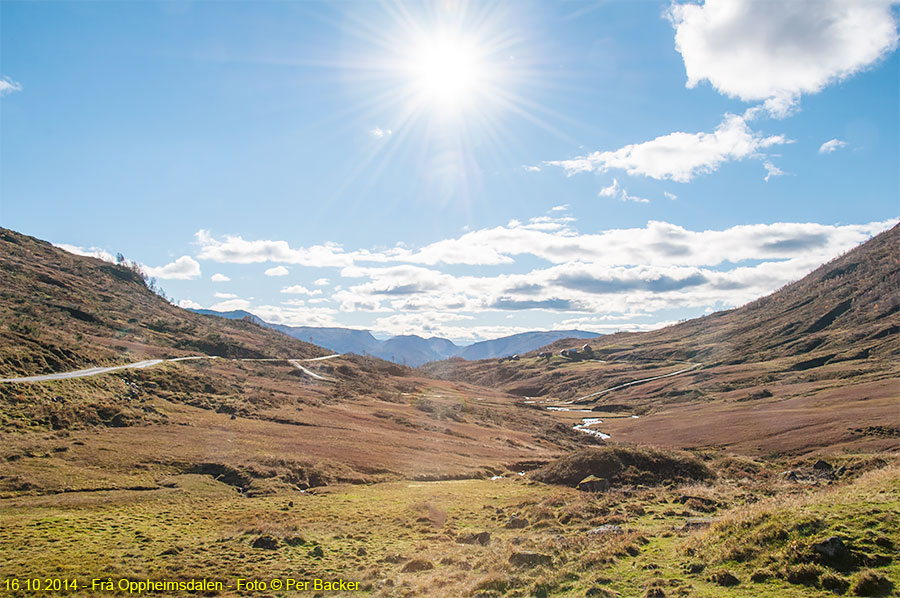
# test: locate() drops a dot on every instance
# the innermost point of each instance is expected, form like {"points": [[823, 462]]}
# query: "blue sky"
{"points": [[465, 170]]}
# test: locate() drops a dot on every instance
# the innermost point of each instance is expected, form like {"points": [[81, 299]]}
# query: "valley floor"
{"points": [[422, 538]]}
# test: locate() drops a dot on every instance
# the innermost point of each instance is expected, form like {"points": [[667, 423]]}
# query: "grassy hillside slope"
{"points": [[813, 366], [61, 312]]}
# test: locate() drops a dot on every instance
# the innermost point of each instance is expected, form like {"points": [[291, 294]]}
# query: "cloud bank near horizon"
{"points": [[619, 274]]}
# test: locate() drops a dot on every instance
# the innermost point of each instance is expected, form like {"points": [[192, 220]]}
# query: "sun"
{"points": [[447, 71]]}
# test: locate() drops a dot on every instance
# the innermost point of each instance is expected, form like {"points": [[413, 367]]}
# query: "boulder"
{"points": [[606, 528], [593, 484], [693, 523], [266, 543], [483, 538], [516, 523], [416, 565], [831, 548], [724, 578]]}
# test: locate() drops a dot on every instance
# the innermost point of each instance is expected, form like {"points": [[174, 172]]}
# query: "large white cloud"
{"points": [[777, 50], [615, 273], [234, 249], [184, 268], [679, 156]]}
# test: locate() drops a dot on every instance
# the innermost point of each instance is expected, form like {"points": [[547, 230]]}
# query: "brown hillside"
{"points": [[819, 355], [259, 424], [62, 312], [845, 309]]}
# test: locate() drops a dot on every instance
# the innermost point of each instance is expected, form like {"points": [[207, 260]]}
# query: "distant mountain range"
{"points": [[409, 349]]}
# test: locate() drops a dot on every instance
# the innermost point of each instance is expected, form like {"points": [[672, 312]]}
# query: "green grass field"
{"points": [[409, 538]]}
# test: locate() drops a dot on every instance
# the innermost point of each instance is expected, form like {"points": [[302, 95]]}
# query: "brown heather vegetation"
{"points": [[813, 366], [454, 480]]}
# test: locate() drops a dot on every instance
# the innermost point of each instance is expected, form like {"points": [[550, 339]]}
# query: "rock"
{"points": [[790, 476], [170, 551], [593, 484], [483, 538], [694, 568], [361, 551], [821, 465], [416, 565], [655, 593], [516, 523], [266, 543], [606, 528], [601, 592], [724, 578], [832, 549], [529, 559], [684, 499], [317, 552], [692, 523]]}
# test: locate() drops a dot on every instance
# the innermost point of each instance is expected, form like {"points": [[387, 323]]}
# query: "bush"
{"points": [[806, 575], [624, 465], [872, 583], [835, 583]]}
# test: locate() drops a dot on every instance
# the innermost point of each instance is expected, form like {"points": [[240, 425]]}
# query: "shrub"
{"points": [[872, 583], [805, 574], [624, 465], [835, 583]]}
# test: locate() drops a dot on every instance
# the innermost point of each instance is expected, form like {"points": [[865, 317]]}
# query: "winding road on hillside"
{"points": [[152, 362], [588, 397]]}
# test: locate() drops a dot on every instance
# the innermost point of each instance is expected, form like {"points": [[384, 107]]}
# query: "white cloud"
{"points": [[225, 295], [299, 289], [560, 208], [408, 289], [555, 241], [88, 252], [380, 133], [671, 196], [607, 273], [775, 51], [230, 305], [679, 156], [528, 168], [277, 271], [218, 277], [771, 170], [441, 324], [189, 304], [8, 86], [184, 268], [590, 325], [235, 250], [831, 146], [297, 315], [320, 282], [617, 192]]}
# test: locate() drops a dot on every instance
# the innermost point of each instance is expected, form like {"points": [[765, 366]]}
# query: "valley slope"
{"points": [[250, 415], [813, 366]]}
